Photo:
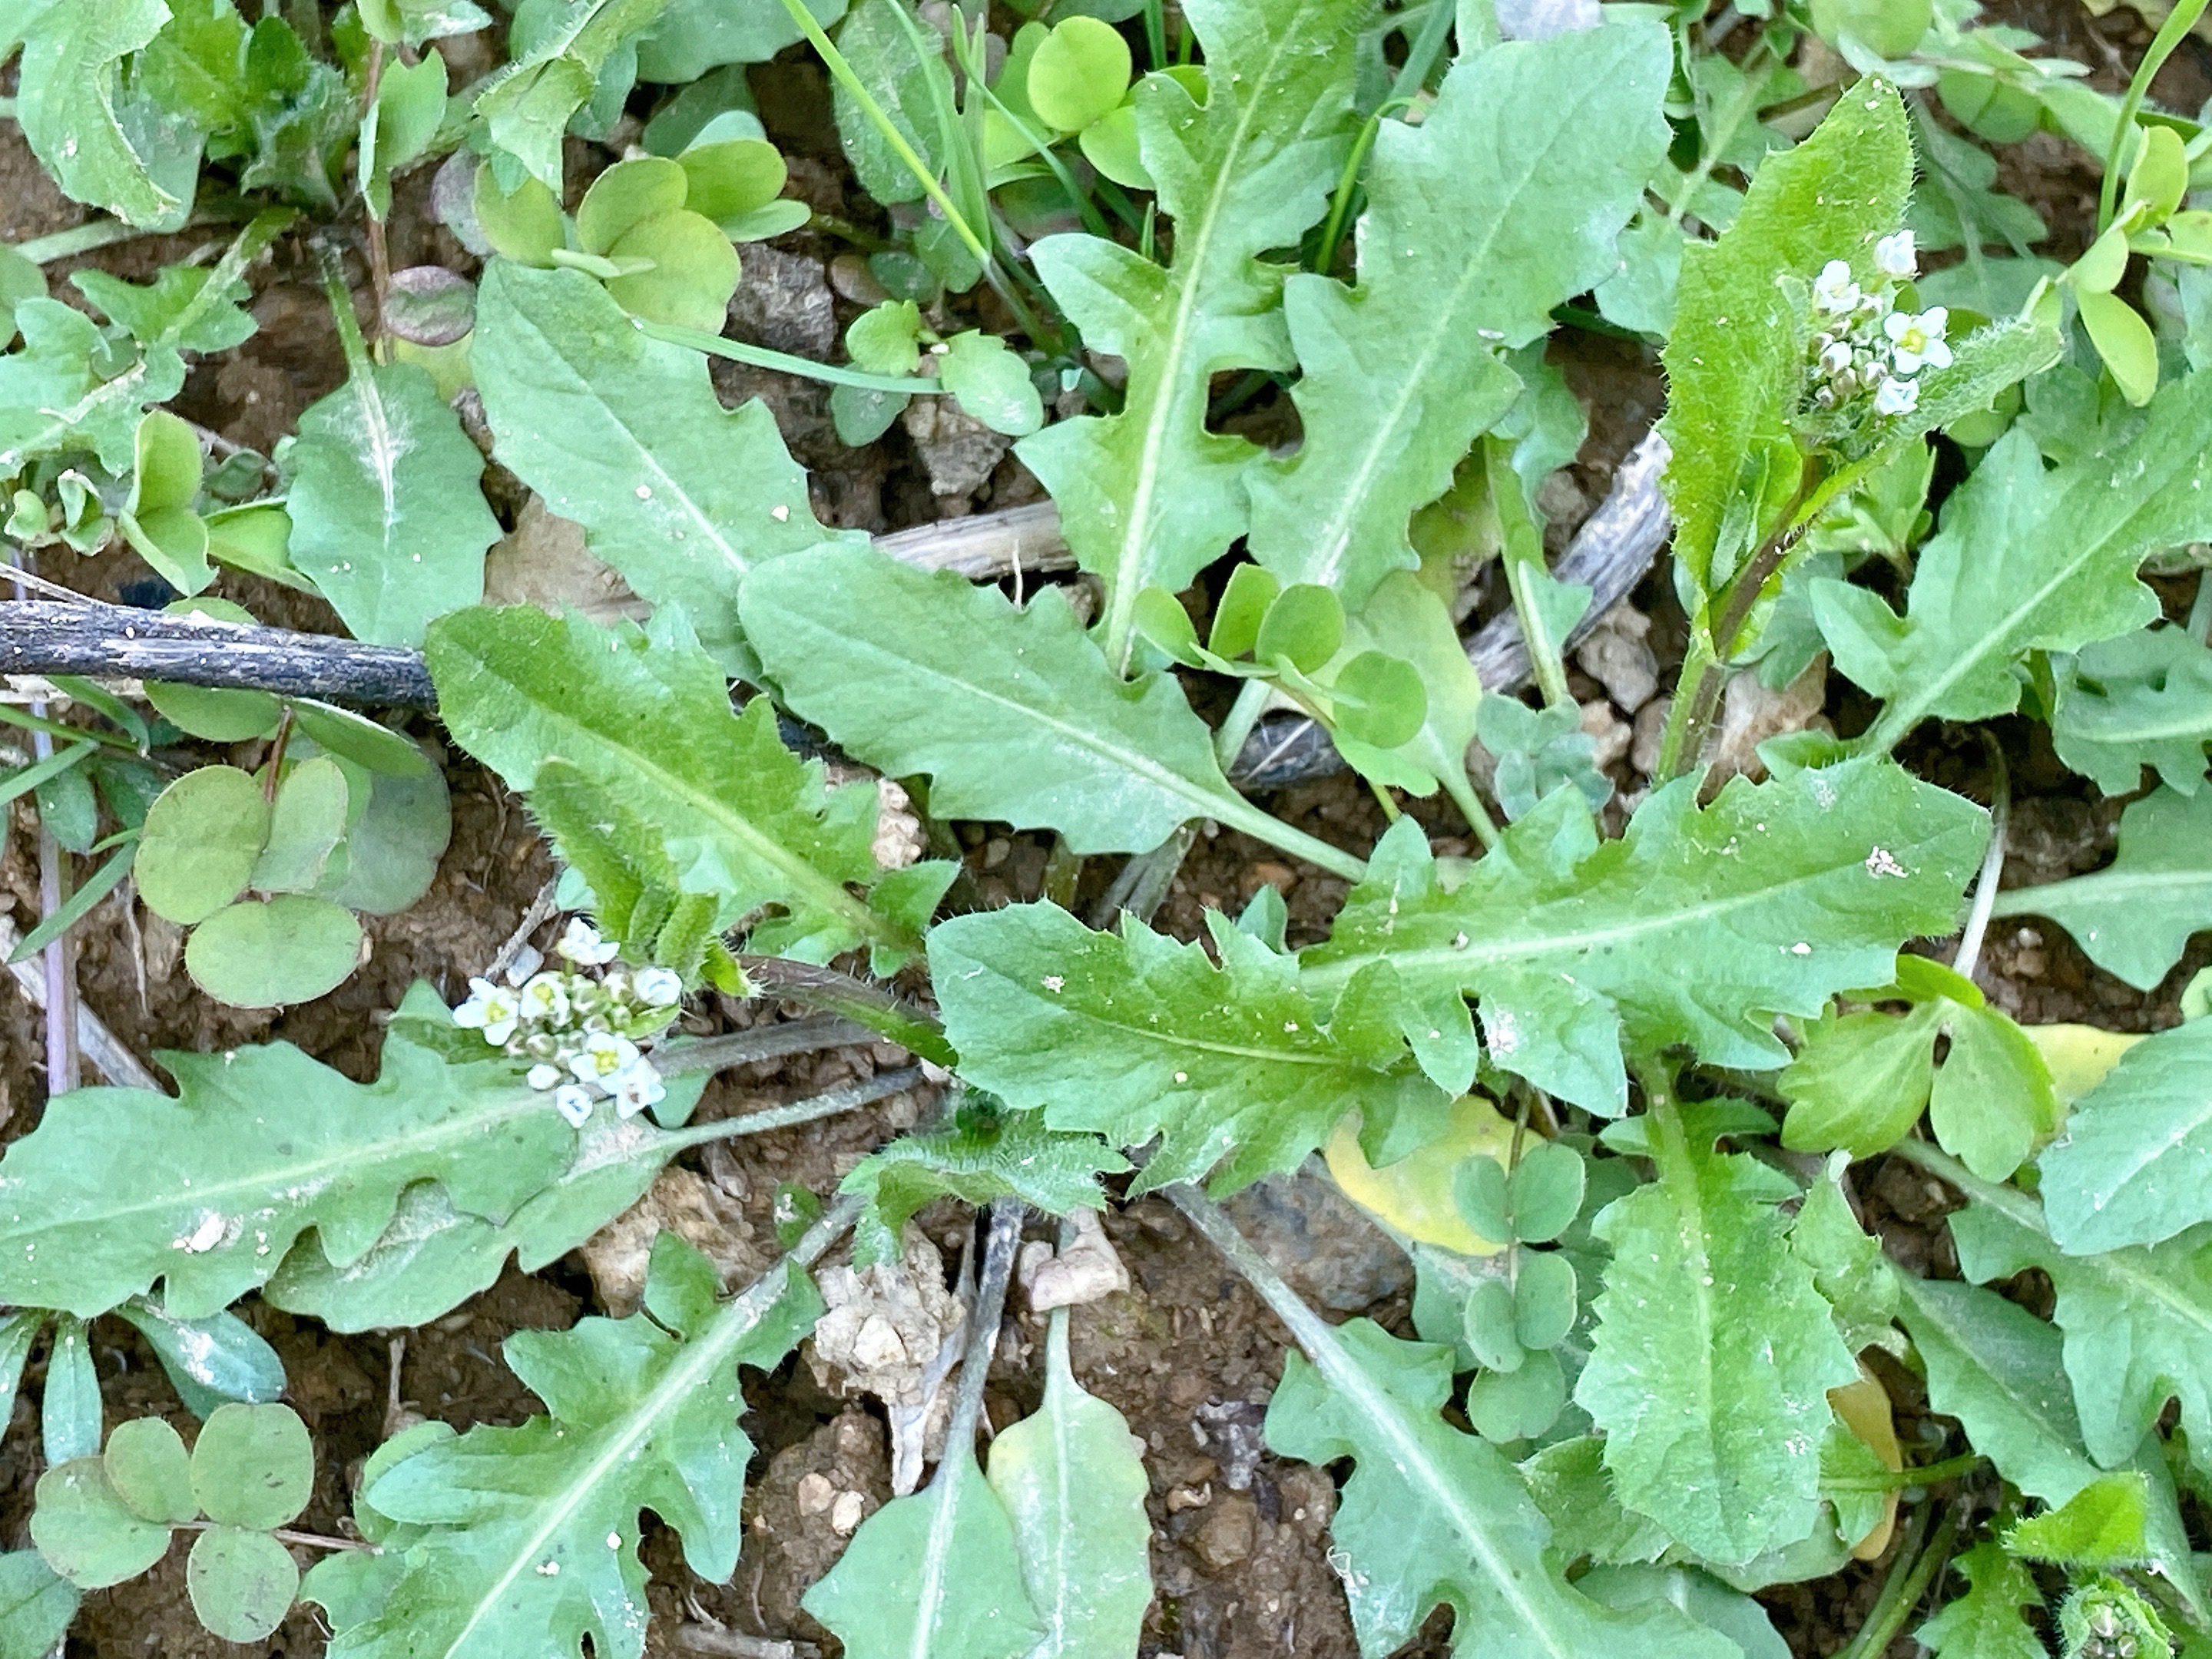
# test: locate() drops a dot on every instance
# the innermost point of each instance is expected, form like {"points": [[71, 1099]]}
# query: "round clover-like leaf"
{"points": [[1888, 28], [1110, 144], [1490, 1325], [150, 1471], [624, 197], [1304, 626], [1515, 1405], [1543, 1299], [1992, 110], [86, 1531], [305, 824], [362, 740], [168, 464], [992, 383], [430, 304], [215, 715], [731, 177], [242, 1583], [200, 842], [1545, 1192], [391, 852], [269, 953], [885, 339], [1245, 598], [1162, 621], [252, 1466], [694, 271], [1380, 699], [525, 225], [1479, 1190], [1080, 74]]}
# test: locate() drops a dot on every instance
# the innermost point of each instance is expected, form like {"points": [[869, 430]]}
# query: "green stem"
{"points": [[1244, 714], [1238, 813], [1461, 788], [1985, 885], [715, 345], [2009, 1201], [1347, 187], [2178, 21], [1901, 1591], [1719, 133], [844, 74], [834, 993], [1690, 716], [106, 232], [1905, 1479], [1522, 553]]}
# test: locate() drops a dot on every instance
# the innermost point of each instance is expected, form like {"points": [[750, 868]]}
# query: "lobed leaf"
{"points": [[1984, 1622], [1134, 1036], [2134, 917], [1015, 1155], [2141, 700], [1697, 926], [2135, 1166], [527, 103], [1148, 497], [1492, 210], [52, 399], [624, 433], [73, 109]]}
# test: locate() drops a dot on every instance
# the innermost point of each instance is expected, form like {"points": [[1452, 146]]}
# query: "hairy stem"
{"points": [[1901, 1590], [831, 992], [851, 1098]]}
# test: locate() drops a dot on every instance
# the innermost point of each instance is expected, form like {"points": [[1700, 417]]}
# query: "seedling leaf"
{"points": [[242, 1583], [252, 1466]]}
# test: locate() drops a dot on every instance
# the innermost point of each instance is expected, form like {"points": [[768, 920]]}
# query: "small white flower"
{"points": [[659, 988], [603, 1056], [574, 1102], [1898, 396], [1919, 340], [543, 1075], [1836, 359], [546, 998], [638, 1087], [1833, 290], [1895, 257], [582, 945], [490, 1009]]}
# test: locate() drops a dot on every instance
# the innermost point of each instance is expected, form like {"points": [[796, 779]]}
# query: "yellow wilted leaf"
{"points": [[2079, 1055], [1415, 1195]]}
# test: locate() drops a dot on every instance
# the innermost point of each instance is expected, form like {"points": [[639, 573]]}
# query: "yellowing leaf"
{"points": [[1415, 1195]]}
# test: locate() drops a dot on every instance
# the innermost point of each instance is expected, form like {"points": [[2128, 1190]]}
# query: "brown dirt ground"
{"points": [[1241, 1573]]}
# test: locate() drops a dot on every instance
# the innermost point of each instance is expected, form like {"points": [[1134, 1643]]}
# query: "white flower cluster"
{"points": [[578, 1032], [1863, 344]]}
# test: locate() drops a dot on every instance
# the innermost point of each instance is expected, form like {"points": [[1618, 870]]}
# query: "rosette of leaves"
{"points": [[657, 230], [268, 870], [103, 1519], [986, 378]]}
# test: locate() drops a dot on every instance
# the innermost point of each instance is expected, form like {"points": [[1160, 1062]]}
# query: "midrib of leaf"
{"points": [[1056, 1617], [695, 1360], [2101, 885], [2181, 726], [257, 1183], [1225, 804], [640, 449], [932, 1560], [1129, 569], [1678, 1177]]}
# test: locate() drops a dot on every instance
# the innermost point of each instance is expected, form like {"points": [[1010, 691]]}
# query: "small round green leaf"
{"points": [[1245, 598], [168, 464], [242, 1583], [1479, 1190], [1888, 28], [268, 954], [885, 339], [1304, 625], [2159, 177], [1490, 1325], [777, 218], [150, 1471], [992, 383], [216, 716], [694, 271], [1516, 1405], [1545, 1192], [1544, 1304], [1109, 145], [2124, 340], [524, 226], [733, 177], [2100, 269], [1993, 111], [174, 541], [1161, 619], [252, 1466], [200, 843], [392, 851], [1380, 699], [362, 740], [305, 822], [1079, 73], [624, 197], [87, 1532]]}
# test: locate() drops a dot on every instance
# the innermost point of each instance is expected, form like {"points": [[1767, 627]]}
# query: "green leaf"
{"points": [[1734, 364], [2137, 1324], [52, 400], [1481, 218], [306, 821], [624, 434], [1077, 73], [411, 103], [72, 108], [241, 1584], [2124, 340], [644, 716], [1710, 1603], [2144, 699], [991, 382], [2027, 559], [1849, 1267], [888, 58], [1075, 1490], [976, 1162], [679, 268], [643, 1415], [1148, 497], [393, 850], [2103, 1525], [150, 1470], [69, 1414], [201, 842], [933, 1576], [2134, 917], [1697, 926], [261, 1145], [1432, 1515], [252, 1466], [1013, 714], [217, 716], [387, 517], [527, 104], [1860, 1080], [208, 1361], [270, 953], [36, 1604], [695, 36], [1985, 1623], [1539, 750], [191, 307], [18, 1331], [1714, 1352], [85, 1530], [1132, 1035], [2135, 1162]]}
